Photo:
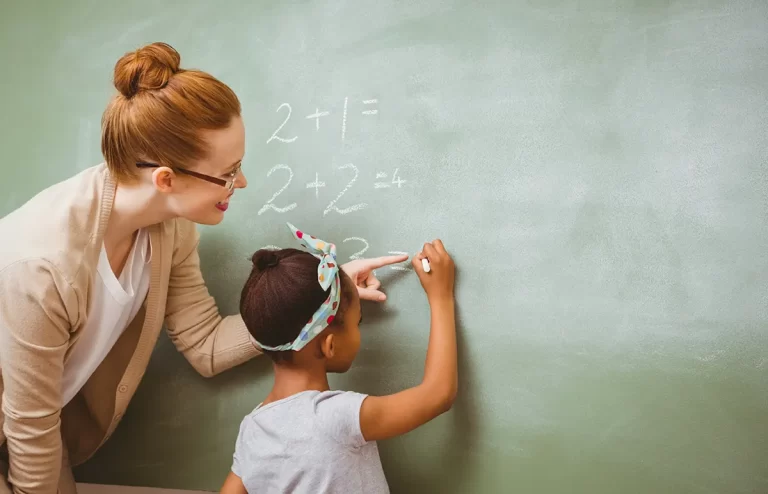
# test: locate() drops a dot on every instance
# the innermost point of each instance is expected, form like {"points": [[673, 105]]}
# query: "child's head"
{"points": [[281, 295]]}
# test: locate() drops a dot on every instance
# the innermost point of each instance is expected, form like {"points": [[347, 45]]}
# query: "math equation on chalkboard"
{"points": [[336, 204], [370, 108], [283, 175]]}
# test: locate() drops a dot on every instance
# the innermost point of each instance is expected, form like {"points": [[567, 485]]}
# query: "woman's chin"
{"points": [[211, 218]]}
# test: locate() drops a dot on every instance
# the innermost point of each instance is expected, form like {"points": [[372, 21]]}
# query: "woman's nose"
{"points": [[240, 181]]}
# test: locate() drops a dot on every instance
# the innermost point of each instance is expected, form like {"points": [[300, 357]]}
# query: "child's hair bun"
{"points": [[265, 258]]}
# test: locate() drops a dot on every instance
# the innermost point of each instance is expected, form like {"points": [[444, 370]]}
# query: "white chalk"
{"points": [[425, 265]]}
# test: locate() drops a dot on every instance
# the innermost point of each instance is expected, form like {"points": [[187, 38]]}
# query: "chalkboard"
{"points": [[598, 170]]}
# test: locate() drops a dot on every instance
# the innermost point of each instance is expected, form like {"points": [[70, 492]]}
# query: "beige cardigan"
{"points": [[49, 250]]}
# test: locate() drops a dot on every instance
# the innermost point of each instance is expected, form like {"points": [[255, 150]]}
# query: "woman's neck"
{"points": [[134, 207], [292, 379]]}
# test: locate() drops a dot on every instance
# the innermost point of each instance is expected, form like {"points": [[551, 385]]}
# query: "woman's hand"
{"points": [[361, 272]]}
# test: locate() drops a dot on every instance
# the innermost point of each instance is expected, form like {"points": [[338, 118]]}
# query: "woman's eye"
{"points": [[233, 173]]}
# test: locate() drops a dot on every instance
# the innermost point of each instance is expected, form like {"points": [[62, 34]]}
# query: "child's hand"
{"points": [[383, 417], [438, 283]]}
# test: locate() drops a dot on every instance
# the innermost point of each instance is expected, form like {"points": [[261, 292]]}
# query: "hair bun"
{"points": [[149, 67], [265, 259]]}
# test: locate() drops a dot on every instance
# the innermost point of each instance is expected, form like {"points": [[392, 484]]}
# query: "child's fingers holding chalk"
{"points": [[425, 265], [435, 269], [416, 260], [418, 265], [424, 258]]}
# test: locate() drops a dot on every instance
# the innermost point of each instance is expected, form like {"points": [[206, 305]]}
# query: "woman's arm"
{"points": [[37, 307], [209, 342]]}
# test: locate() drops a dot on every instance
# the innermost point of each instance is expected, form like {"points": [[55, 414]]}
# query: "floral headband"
{"points": [[327, 276]]}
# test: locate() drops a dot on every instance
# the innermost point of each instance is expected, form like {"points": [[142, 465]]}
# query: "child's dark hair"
{"points": [[282, 293]]}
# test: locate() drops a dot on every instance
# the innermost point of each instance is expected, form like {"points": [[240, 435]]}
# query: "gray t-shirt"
{"points": [[308, 443]]}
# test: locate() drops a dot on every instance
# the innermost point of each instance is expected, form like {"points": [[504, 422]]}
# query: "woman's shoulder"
{"points": [[58, 224]]}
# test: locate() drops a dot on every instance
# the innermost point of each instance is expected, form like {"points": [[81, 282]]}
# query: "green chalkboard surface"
{"points": [[598, 169]]}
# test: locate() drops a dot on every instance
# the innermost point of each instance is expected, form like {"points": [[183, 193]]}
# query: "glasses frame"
{"points": [[228, 184]]}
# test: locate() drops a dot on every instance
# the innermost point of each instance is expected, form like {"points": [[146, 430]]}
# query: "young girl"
{"points": [[304, 312]]}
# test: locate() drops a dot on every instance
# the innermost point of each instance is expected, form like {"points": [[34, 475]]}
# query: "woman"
{"points": [[90, 268]]}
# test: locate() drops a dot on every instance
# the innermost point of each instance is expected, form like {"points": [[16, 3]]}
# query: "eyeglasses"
{"points": [[228, 184]]}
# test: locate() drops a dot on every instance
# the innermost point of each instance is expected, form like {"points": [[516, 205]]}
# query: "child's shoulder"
{"points": [[313, 399], [338, 397], [335, 413]]}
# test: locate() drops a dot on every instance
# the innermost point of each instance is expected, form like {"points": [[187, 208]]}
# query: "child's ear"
{"points": [[328, 346]]}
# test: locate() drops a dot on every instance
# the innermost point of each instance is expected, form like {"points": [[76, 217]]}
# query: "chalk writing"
{"points": [[359, 254], [274, 135], [396, 180], [366, 246], [398, 253], [344, 120], [355, 207], [370, 102], [371, 108], [269, 204], [317, 116], [316, 185]]}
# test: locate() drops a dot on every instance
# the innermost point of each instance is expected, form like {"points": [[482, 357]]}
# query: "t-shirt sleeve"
{"points": [[237, 456], [338, 415]]}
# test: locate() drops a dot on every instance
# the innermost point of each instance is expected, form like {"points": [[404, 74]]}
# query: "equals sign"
{"points": [[370, 102], [398, 253], [381, 185]]}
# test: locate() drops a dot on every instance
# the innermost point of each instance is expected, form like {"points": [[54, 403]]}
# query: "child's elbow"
{"points": [[447, 400], [446, 406], [441, 395]]}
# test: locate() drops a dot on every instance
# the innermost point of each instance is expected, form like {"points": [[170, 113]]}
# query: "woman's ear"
{"points": [[163, 179], [328, 346]]}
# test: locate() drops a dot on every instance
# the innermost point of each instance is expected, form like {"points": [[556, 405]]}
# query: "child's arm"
{"points": [[233, 485], [383, 417]]}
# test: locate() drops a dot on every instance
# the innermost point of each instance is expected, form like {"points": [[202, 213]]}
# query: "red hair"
{"points": [[160, 111]]}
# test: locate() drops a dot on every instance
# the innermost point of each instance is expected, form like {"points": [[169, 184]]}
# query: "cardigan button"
{"points": [[123, 388]]}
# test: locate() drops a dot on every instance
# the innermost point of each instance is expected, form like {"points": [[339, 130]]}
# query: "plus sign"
{"points": [[316, 185], [317, 116]]}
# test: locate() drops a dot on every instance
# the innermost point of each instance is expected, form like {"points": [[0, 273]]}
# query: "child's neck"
{"points": [[292, 379]]}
